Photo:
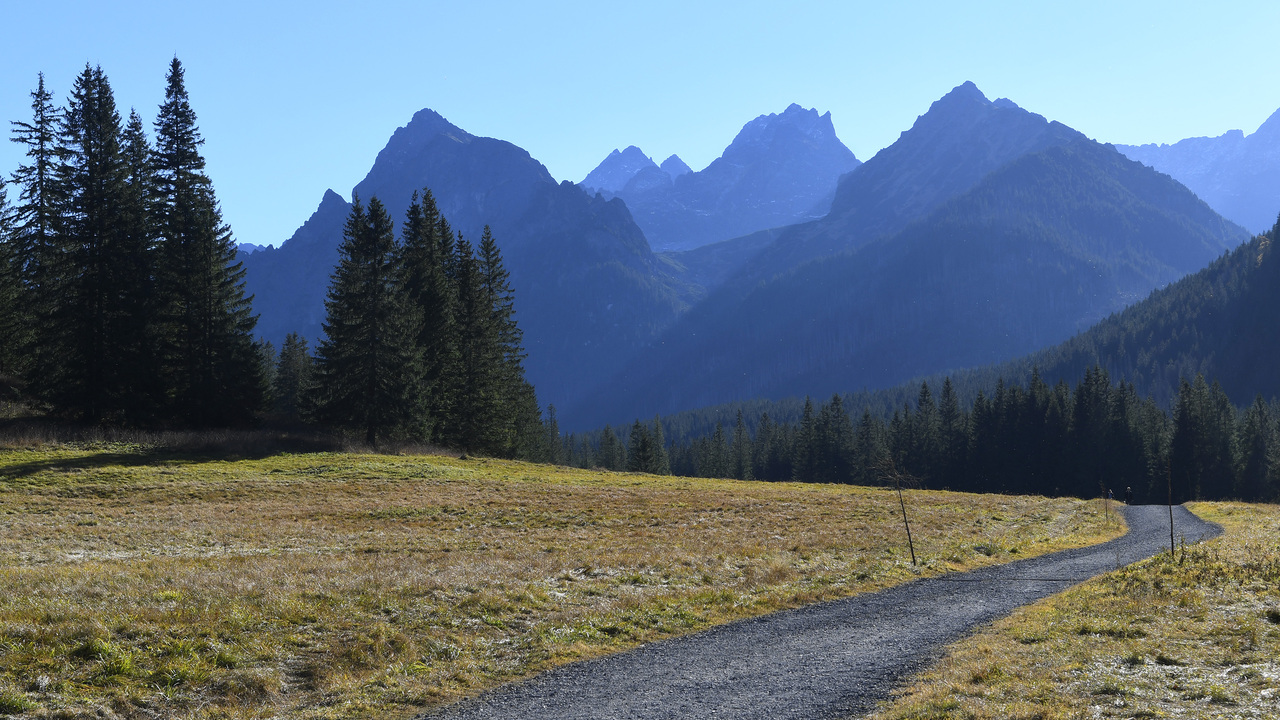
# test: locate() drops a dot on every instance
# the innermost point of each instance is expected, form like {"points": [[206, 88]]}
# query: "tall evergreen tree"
{"points": [[640, 454], [953, 435], [661, 460], [292, 377], [368, 365], [804, 459], [135, 332], [523, 429], [426, 262], [11, 310], [210, 364], [611, 455], [34, 234], [1256, 441], [477, 422], [90, 320], [742, 467]]}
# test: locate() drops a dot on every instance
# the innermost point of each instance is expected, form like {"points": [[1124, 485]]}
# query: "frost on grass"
{"points": [[1190, 635], [333, 585]]}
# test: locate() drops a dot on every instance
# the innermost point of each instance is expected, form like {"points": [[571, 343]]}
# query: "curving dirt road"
{"points": [[830, 660]]}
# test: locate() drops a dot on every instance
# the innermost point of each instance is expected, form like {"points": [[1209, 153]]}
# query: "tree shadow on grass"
{"points": [[98, 447]]}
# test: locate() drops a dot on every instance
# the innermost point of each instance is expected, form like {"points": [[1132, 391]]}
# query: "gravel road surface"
{"points": [[830, 660]]}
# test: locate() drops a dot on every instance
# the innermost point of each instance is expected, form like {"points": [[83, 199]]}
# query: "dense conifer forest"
{"points": [[1085, 440], [122, 303], [1127, 405]]}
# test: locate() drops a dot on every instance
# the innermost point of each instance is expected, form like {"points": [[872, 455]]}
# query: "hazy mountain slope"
{"points": [[1040, 249], [289, 283], [1238, 175], [588, 289], [780, 169], [1222, 322], [948, 150]]}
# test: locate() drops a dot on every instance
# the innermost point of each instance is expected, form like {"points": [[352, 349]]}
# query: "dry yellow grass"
{"points": [[148, 584], [1194, 635]]}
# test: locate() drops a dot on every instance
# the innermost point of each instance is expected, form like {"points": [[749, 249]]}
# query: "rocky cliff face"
{"points": [[1237, 174]]}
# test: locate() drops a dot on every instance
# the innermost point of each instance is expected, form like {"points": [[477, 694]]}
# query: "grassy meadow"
{"points": [[1192, 635], [138, 582]]}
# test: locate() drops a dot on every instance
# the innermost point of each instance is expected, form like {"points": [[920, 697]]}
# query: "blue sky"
{"points": [[294, 98]]}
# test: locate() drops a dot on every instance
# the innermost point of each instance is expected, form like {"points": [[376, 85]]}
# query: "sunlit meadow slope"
{"points": [[150, 583]]}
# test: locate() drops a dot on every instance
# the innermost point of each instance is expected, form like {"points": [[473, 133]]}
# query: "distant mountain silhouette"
{"points": [[984, 233], [1238, 175], [780, 169], [612, 174], [673, 166], [588, 289]]}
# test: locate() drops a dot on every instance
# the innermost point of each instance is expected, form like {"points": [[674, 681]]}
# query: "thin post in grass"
{"points": [[1169, 476], [1106, 504], [892, 472], [910, 543]]}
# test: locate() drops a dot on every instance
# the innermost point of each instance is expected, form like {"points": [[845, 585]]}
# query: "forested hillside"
{"points": [[1176, 394], [1221, 322]]}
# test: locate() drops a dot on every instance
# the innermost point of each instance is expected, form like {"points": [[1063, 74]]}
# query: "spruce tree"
{"points": [[426, 263], [521, 425], [33, 237], [661, 460], [952, 435], [804, 461], [292, 377], [210, 364], [1256, 441], [742, 465], [368, 366], [477, 418], [135, 331], [11, 312], [640, 449], [86, 377], [611, 455]]}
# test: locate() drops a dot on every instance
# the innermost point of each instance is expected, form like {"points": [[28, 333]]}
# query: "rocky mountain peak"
{"points": [[613, 173], [765, 129], [425, 125], [675, 167]]}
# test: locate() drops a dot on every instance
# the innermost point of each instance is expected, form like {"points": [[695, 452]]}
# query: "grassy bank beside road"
{"points": [[1195, 634], [334, 585]]}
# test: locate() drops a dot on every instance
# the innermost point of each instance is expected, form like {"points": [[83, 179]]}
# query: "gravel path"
{"points": [[830, 660]]}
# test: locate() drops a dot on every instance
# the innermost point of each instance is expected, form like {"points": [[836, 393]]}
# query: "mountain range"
{"points": [[588, 289], [780, 169], [1237, 174], [985, 232]]}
